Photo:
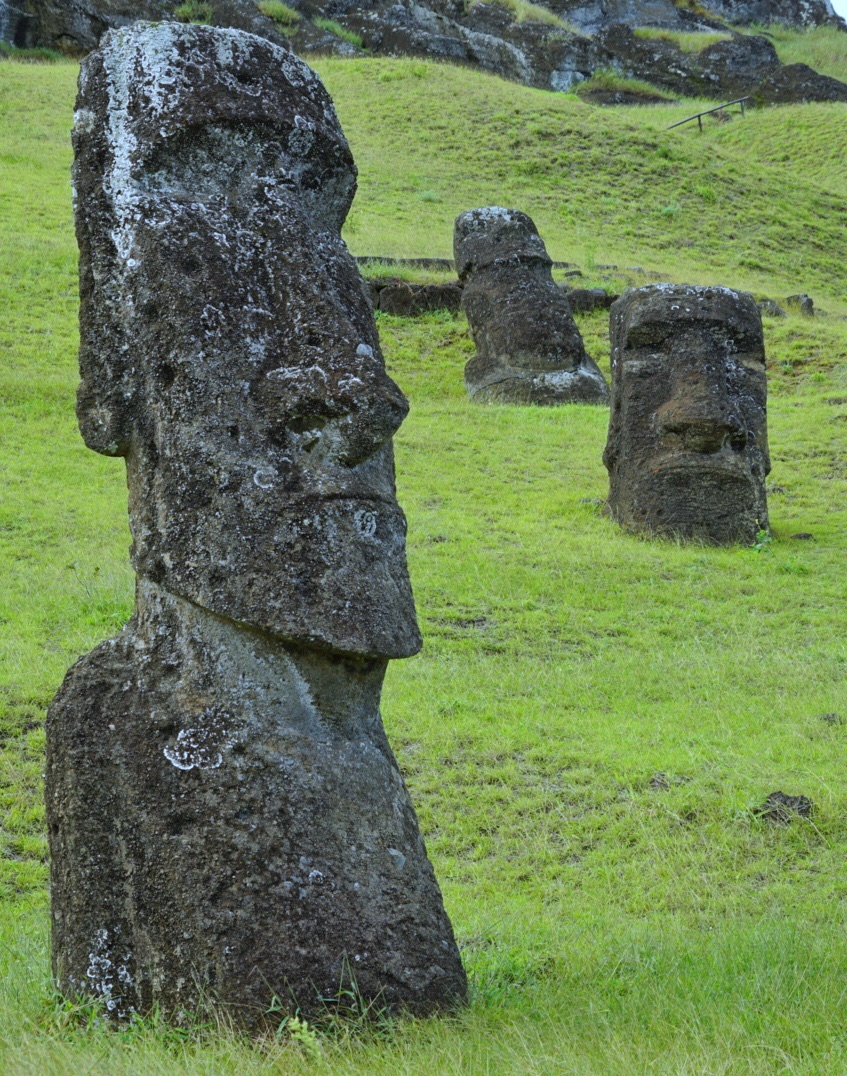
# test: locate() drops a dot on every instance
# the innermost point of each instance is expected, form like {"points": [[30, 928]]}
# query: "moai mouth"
{"points": [[227, 822]]}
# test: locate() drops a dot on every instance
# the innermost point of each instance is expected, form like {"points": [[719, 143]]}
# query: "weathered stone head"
{"points": [[529, 350], [227, 822], [234, 359], [687, 451]]}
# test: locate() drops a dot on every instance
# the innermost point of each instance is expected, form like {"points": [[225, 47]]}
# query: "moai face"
{"points": [[687, 451], [228, 348], [529, 349], [492, 237]]}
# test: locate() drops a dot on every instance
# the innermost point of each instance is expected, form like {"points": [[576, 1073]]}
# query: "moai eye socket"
{"points": [[240, 165]]}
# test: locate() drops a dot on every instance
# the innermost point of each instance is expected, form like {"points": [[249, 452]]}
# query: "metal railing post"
{"points": [[699, 115]]}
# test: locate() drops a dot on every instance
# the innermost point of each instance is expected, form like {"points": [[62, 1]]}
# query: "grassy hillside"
{"points": [[823, 47], [432, 140], [805, 142], [594, 718], [603, 186]]}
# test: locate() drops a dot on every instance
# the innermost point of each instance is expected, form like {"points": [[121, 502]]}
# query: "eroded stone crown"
{"points": [[492, 236]]}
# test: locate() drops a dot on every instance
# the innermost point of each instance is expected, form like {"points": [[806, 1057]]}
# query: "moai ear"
{"points": [[106, 388], [104, 396]]}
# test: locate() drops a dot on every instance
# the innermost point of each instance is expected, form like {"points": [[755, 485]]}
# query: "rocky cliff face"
{"points": [[741, 66], [76, 26], [800, 13], [600, 35], [576, 38]]}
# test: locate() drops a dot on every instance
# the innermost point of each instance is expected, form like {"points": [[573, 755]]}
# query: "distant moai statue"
{"points": [[687, 451], [227, 822], [529, 349]]}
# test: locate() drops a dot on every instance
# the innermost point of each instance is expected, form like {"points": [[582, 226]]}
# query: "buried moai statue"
{"points": [[687, 451], [227, 822], [529, 349]]}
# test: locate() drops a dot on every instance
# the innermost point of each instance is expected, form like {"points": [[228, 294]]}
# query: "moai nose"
{"points": [[702, 422], [340, 399]]}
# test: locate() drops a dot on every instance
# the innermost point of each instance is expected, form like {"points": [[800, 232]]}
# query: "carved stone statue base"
{"points": [[228, 824]]}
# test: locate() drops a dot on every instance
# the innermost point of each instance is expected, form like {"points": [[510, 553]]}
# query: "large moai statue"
{"points": [[529, 349], [227, 822], [687, 451]]}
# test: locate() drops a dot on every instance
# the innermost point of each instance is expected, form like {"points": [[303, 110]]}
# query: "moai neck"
{"points": [[239, 670]]}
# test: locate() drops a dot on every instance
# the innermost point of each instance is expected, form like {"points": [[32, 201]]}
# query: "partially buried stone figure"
{"points": [[687, 451], [529, 350], [226, 819]]}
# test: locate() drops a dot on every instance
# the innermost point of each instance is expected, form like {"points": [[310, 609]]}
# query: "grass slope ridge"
{"points": [[803, 141], [613, 923], [591, 180], [792, 142]]}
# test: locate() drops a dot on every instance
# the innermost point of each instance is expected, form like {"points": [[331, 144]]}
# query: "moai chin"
{"points": [[227, 822], [529, 349], [687, 452]]}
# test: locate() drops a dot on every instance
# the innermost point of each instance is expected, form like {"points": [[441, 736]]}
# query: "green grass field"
{"points": [[611, 921]]}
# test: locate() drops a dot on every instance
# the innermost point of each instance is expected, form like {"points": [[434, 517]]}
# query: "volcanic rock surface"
{"points": [[227, 822], [575, 38]]}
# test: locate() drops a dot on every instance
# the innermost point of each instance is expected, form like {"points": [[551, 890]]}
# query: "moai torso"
{"points": [[687, 451], [227, 820], [529, 349]]}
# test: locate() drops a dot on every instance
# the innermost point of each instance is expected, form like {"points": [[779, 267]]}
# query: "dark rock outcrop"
{"points": [[687, 450], [587, 300], [743, 65], [15, 24], [529, 350], [782, 809], [589, 16], [801, 304], [409, 300], [770, 308], [799, 13], [226, 820], [557, 55], [624, 97], [76, 26], [796, 83], [396, 299], [438, 297]]}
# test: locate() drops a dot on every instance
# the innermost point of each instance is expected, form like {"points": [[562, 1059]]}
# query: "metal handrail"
{"points": [[699, 115]]}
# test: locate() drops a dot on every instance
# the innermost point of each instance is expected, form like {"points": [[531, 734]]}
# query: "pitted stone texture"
{"points": [[226, 820], [687, 451], [529, 350], [227, 348]]}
